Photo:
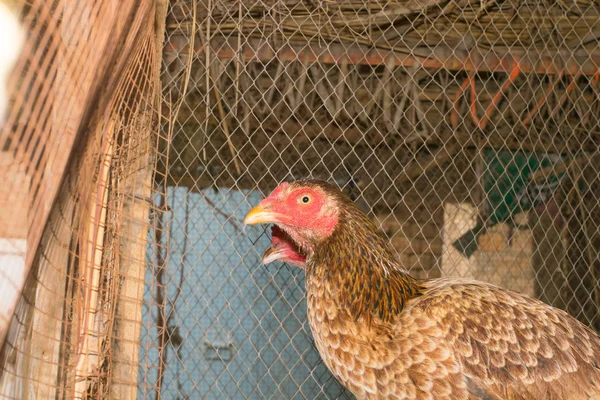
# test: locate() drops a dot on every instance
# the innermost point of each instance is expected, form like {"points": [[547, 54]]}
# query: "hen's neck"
{"points": [[359, 266]]}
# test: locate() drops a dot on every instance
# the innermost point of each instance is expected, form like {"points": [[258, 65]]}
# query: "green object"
{"points": [[509, 190]]}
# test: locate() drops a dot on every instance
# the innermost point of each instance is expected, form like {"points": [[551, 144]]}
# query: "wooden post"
{"points": [[88, 352], [136, 188]]}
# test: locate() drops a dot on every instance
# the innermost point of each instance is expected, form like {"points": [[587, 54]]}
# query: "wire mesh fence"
{"points": [[76, 146], [468, 130], [463, 128]]}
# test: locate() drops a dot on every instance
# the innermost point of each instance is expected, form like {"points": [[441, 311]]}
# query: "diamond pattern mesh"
{"points": [[467, 129]]}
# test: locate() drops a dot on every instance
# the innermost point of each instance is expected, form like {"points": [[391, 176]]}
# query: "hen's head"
{"points": [[283, 249], [307, 210]]}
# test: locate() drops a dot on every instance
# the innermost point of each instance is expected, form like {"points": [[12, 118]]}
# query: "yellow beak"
{"points": [[258, 215]]}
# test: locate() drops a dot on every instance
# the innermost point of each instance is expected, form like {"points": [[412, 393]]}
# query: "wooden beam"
{"points": [[134, 211], [579, 61], [134, 194]]}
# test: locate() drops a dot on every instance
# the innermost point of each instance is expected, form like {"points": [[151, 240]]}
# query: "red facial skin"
{"points": [[283, 249], [305, 212]]}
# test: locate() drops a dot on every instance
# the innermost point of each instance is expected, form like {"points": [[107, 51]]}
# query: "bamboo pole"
{"points": [[132, 256], [137, 189], [87, 358]]}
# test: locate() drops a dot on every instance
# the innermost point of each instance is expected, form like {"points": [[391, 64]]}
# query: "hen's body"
{"points": [[384, 334], [459, 340]]}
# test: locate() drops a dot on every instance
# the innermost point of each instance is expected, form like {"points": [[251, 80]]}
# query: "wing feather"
{"points": [[513, 346]]}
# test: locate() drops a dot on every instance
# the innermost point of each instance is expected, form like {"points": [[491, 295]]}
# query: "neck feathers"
{"points": [[359, 265]]}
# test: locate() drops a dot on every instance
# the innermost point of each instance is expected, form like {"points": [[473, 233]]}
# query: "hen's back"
{"points": [[510, 346]]}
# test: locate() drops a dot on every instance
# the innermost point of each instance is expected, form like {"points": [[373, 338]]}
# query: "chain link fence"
{"points": [[467, 129]]}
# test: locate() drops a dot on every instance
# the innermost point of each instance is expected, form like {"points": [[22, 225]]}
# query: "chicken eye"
{"points": [[305, 199]]}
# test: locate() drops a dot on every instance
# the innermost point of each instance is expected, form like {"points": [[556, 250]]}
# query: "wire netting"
{"points": [[77, 149], [467, 129]]}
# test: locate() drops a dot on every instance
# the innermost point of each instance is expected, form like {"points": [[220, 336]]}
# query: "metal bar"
{"points": [[455, 111], [516, 71], [565, 96], [473, 106], [543, 100]]}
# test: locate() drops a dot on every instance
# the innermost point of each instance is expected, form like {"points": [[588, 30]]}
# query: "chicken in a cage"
{"points": [[384, 334], [453, 253]]}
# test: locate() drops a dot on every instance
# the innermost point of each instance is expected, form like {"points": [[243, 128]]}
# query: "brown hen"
{"points": [[386, 335]]}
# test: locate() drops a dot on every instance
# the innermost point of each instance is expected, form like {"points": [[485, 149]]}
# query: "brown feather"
{"points": [[384, 334]]}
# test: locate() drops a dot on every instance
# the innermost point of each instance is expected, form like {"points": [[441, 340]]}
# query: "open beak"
{"points": [[260, 215], [271, 255]]}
